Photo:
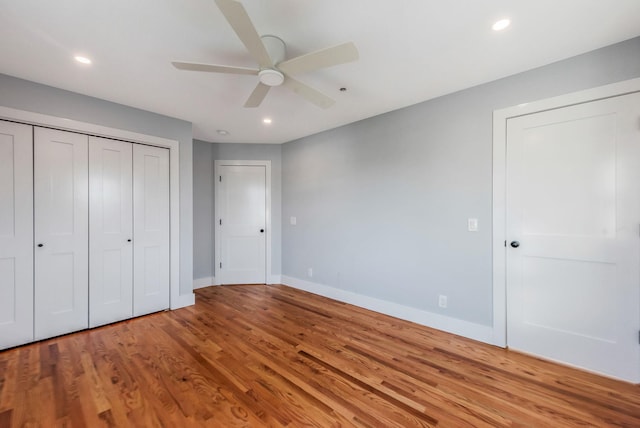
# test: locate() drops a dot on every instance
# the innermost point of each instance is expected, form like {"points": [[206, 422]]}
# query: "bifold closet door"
{"points": [[110, 231], [61, 220], [16, 234], [150, 229]]}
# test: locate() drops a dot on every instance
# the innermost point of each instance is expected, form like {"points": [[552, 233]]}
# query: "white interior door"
{"points": [[573, 197], [150, 229], [241, 224], [16, 234], [61, 232], [110, 231]]}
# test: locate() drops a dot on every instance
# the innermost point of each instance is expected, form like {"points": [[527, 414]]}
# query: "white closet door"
{"points": [[61, 232], [110, 231], [16, 234], [150, 229]]}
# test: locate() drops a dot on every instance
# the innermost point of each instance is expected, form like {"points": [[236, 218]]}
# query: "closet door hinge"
{"points": [[220, 222], [220, 179], [220, 265]]}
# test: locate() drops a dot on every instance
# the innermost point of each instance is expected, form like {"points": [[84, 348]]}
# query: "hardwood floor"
{"points": [[274, 356]]}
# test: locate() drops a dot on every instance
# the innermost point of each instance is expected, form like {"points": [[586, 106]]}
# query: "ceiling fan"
{"points": [[269, 53]]}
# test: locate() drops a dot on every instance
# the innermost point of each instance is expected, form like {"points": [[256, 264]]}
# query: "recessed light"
{"points": [[501, 25], [82, 59], [266, 120], [222, 132]]}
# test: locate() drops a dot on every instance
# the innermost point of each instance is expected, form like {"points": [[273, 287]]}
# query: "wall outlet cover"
{"points": [[442, 301]]}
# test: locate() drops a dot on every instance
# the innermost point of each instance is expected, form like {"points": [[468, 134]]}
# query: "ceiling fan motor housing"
{"points": [[276, 49]]}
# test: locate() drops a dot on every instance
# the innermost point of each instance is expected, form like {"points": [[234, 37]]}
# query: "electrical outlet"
{"points": [[310, 272], [442, 301]]}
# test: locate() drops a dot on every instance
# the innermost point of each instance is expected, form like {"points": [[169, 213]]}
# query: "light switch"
{"points": [[472, 224], [293, 221]]}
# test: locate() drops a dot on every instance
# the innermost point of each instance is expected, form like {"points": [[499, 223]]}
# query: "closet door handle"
{"points": [[128, 240], [40, 245]]}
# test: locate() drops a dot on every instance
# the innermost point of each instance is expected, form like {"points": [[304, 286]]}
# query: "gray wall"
{"points": [[202, 209], [34, 97], [203, 156], [382, 204]]}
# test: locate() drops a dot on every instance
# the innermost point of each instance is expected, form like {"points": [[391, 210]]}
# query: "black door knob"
{"points": [[515, 244], [40, 245], [261, 230], [128, 240]]}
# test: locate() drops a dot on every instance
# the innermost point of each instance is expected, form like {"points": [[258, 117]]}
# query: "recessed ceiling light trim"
{"points": [[267, 121], [501, 24], [82, 59]]}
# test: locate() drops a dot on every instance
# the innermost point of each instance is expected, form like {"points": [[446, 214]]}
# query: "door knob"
{"points": [[40, 245], [515, 244], [128, 240], [261, 230]]}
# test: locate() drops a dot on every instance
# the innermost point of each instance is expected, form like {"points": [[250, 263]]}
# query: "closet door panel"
{"points": [[61, 232], [110, 231], [150, 229], [16, 234]]}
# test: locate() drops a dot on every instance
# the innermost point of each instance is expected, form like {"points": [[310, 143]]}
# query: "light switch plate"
{"points": [[472, 224], [293, 221]]}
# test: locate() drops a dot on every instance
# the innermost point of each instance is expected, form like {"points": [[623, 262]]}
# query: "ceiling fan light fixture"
{"points": [[271, 77]]}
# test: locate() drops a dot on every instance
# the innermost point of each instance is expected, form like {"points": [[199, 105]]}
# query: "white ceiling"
{"points": [[410, 51]]}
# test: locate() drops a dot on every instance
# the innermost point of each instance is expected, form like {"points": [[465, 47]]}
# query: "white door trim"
{"points": [[500, 118], [216, 258], [38, 119]]}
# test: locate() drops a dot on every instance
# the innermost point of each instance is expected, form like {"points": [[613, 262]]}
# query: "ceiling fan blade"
{"points": [[212, 68], [308, 93], [239, 20], [322, 58], [258, 94]]}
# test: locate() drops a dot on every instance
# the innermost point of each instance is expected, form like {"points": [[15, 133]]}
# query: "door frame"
{"points": [[177, 300], [500, 117], [217, 164]]}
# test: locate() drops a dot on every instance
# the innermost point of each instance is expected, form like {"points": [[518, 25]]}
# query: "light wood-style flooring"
{"points": [[273, 356]]}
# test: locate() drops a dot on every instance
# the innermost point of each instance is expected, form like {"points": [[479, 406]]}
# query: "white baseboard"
{"points": [[183, 300], [211, 280], [275, 279], [203, 282], [463, 328]]}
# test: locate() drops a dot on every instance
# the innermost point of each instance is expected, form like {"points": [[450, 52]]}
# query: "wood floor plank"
{"points": [[253, 356]]}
